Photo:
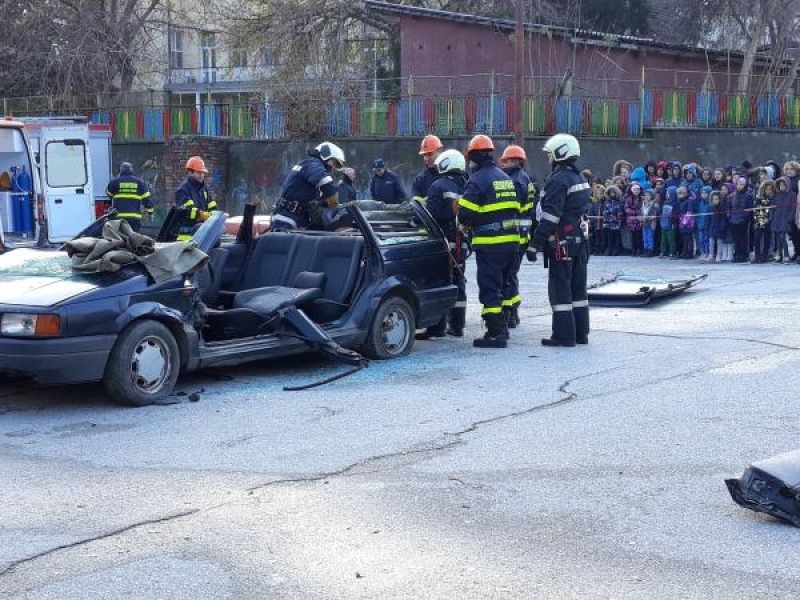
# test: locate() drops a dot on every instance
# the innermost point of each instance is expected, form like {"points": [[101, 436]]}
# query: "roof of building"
{"points": [[611, 40]]}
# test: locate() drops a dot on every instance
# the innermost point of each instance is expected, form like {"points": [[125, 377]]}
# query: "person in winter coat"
{"points": [[622, 168], [686, 223], [662, 169], [386, 185], [741, 201], [595, 214], [632, 226], [702, 221], [669, 215], [761, 218], [717, 226], [691, 176], [791, 169], [675, 176], [782, 218], [613, 211], [718, 177], [649, 219], [650, 171], [706, 176]]}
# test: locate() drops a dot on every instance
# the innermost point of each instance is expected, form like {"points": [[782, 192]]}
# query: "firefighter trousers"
{"points": [[566, 290], [495, 269]]}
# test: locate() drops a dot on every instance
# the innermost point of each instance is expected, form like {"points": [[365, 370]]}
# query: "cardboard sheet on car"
{"points": [[639, 290]]}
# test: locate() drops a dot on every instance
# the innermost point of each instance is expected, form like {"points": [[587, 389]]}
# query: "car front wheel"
{"points": [[143, 365], [392, 331]]}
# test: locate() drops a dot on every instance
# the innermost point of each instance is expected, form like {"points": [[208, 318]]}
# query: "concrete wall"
{"points": [[254, 171]]}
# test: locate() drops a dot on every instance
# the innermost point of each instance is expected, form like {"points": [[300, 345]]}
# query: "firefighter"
{"points": [[130, 196], [430, 149], [513, 162], [308, 189], [490, 209], [443, 197], [194, 197], [562, 235]]}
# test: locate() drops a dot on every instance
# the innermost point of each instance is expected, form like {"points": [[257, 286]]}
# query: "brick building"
{"points": [[446, 53]]}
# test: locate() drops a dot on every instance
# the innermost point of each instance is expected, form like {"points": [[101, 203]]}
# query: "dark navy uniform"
{"points": [[559, 235], [131, 197], [443, 194], [422, 182], [387, 188], [193, 196], [308, 183], [489, 207], [526, 194]]}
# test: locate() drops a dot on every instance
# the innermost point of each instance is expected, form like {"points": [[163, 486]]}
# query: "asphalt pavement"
{"points": [[527, 472]]}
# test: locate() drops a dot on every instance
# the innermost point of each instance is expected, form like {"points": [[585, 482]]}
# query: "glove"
{"points": [[530, 254]]}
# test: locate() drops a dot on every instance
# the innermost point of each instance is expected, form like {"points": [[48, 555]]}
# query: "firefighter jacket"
{"points": [[387, 188], [443, 197], [422, 182], [490, 208], [526, 194], [130, 196], [194, 197], [308, 182], [564, 202]]}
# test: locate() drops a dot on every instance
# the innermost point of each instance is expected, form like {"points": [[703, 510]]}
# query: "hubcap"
{"points": [[150, 365], [395, 331]]}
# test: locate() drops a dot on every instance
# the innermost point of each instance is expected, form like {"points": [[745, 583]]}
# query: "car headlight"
{"points": [[22, 325]]}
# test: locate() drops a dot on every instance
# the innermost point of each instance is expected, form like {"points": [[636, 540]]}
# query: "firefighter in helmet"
{"points": [[194, 198], [130, 196], [443, 197], [562, 235], [490, 209], [513, 162], [430, 149], [308, 189]]}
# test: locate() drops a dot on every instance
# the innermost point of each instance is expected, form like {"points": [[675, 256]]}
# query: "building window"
{"points": [[209, 56], [176, 49], [238, 58]]}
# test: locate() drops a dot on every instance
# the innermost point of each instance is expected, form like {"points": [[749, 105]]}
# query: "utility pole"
{"points": [[519, 52]]}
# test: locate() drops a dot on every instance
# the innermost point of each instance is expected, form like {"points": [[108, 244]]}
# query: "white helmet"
{"points": [[562, 146], [328, 151], [450, 160]]}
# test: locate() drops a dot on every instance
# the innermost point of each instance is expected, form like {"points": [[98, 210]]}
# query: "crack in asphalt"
{"points": [[700, 337], [8, 569]]}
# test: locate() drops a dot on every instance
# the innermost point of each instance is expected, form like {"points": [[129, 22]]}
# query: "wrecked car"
{"points": [[358, 291]]}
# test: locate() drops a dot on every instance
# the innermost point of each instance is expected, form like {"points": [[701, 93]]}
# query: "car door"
{"points": [[67, 182]]}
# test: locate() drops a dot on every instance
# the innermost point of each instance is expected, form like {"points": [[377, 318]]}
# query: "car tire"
{"points": [[143, 366], [392, 331]]}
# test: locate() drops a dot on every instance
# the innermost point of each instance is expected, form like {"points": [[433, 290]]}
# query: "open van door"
{"points": [[66, 174]]}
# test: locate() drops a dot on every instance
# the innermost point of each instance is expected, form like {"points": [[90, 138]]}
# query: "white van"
{"points": [[71, 167], [21, 186]]}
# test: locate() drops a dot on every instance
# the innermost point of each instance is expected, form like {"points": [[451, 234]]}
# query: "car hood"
{"points": [[31, 277]]}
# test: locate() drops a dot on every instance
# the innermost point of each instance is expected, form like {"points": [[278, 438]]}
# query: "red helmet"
{"points": [[480, 142], [430, 143], [514, 151], [195, 163]]}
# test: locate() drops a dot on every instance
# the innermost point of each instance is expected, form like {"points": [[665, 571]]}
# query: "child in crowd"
{"points": [[649, 214], [613, 208], [705, 176], [717, 226], [741, 201], [596, 236], [702, 220], [761, 218], [718, 178], [785, 203], [686, 224], [692, 179], [669, 213], [726, 192], [675, 177], [632, 226]]}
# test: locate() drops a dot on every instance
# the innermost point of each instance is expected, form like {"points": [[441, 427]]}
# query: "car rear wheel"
{"points": [[143, 365], [392, 331]]}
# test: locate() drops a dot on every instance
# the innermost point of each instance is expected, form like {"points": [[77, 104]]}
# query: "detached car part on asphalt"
{"points": [[771, 486], [639, 290], [365, 287]]}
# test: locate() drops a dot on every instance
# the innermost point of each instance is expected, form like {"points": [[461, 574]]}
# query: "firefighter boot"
{"points": [[434, 331], [511, 321], [495, 336], [457, 318], [514, 315]]}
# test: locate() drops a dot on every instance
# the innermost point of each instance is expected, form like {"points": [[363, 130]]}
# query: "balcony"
{"points": [[217, 79]]}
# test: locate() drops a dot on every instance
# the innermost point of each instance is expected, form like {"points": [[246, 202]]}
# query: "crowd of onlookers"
{"points": [[741, 213]]}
